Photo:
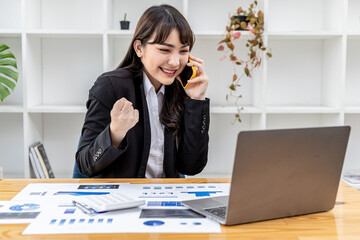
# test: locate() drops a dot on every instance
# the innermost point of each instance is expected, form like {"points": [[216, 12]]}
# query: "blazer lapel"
{"points": [[170, 154], [147, 133]]}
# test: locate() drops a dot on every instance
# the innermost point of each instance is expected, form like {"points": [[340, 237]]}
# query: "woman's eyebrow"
{"points": [[172, 46]]}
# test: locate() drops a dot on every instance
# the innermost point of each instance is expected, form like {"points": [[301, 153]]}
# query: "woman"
{"points": [[140, 121]]}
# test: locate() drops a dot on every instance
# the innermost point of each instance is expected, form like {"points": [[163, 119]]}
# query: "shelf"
{"points": [[212, 16], [233, 110], [10, 14], [304, 35], [352, 83], [352, 162], [62, 47], [10, 33], [302, 120], [353, 19], [63, 33], [219, 34], [305, 72], [301, 110], [120, 33], [134, 9], [305, 15], [11, 109], [57, 109], [64, 79], [353, 35], [11, 143], [65, 14], [354, 109]]}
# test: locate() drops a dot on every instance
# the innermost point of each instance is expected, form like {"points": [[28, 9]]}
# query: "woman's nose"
{"points": [[174, 60]]}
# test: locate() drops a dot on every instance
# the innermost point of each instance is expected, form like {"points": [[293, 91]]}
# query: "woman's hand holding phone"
{"points": [[197, 86], [123, 118]]}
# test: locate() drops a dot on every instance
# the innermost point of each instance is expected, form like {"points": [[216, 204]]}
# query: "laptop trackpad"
{"points": [[208, 202]]}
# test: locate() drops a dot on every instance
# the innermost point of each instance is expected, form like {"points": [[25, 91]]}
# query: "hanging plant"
{"points": [[8, 71], [244, 20]]}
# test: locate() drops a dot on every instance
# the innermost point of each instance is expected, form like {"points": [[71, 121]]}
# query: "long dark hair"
{"points": [[160, 21]]}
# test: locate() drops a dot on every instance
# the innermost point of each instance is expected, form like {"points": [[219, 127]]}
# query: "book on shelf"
{"points": [[39, 161], [34, 161], [352, 178]]}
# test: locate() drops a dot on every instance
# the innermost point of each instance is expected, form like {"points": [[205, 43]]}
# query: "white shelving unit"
{"points": [[63, 46]]}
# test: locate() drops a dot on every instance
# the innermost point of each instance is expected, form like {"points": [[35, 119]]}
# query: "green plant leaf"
{"points": [[254, 22], [221, 48], [230, 46], [6, 55], [7, 82], [252, 55], [247, 72], [4, 92], [8, 71], [235, 77], [6, 62], [260, 14], [3, 47], [243, 25]]}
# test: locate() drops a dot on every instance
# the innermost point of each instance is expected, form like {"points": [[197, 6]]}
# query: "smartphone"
{"points": [[187, 74]]}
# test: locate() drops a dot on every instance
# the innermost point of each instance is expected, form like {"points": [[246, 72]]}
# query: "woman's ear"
{"points": [[138, 48]]}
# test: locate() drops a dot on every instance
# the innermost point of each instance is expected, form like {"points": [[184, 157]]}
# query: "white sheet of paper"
{"points": [[163, 200], [17, 212], [64, 191]]}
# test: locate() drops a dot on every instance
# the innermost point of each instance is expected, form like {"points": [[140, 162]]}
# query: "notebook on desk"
{"points": [[280, 173]]}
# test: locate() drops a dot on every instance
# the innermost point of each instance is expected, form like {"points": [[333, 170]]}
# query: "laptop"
{"points": [[280, 173]]}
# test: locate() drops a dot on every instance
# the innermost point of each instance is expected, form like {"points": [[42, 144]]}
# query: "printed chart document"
{"points": [[162, 213], [64, 191], [14, 212]]}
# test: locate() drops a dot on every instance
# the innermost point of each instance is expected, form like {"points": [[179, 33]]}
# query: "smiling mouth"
{"points": [[168, 71]]}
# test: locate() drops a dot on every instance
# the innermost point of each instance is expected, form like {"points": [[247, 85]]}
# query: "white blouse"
{"points": [[155, 164]]}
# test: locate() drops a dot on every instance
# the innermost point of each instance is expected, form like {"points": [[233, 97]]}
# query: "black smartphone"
{"points": [[187, 74]]}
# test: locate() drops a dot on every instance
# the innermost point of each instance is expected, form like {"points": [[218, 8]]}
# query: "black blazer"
{"points": [[97, 158]]}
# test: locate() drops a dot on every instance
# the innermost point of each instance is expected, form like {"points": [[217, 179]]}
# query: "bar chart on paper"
{"points": [[163, 211], [183, 191]]}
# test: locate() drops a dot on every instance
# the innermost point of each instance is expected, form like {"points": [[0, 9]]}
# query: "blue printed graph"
{"points": [[154, 223], [109, 186], [25, 207], [79, 193], [72, 221], [203, 193], [164, 204]]}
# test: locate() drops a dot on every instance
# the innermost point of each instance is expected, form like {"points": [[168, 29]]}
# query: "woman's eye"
{"points": [[164, 50]]}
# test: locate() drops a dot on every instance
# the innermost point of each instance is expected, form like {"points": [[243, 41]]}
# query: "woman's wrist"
{"points": [[116, 137], [201, 98]]}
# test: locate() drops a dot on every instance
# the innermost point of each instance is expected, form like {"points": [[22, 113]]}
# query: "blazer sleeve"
{"points": [[192, 153], [95, 151]]}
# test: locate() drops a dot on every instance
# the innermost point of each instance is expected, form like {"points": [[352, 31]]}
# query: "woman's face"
{"points": [[163, 61]]}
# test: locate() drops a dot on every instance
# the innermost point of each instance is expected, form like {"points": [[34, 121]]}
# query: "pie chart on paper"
{"points": [[25, 207], [154, 223]]}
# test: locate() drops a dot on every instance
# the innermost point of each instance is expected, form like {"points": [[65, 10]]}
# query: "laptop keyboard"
{"points": [[217, 211]]}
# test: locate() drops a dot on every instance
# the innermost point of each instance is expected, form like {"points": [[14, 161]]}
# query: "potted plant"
{"points": [[249, 20], [124, 24], [241, 20], [8, 71]]}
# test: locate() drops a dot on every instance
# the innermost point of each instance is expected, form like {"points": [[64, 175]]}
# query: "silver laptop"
{"points": [[280, 173]]}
